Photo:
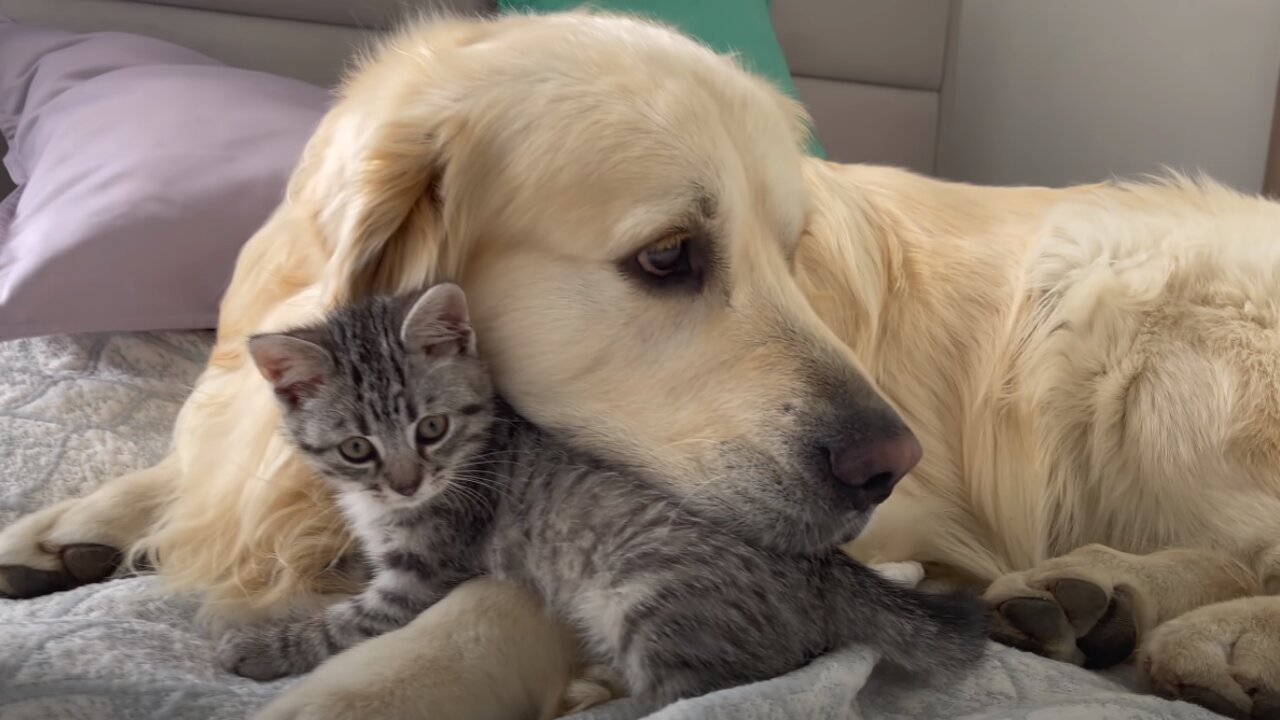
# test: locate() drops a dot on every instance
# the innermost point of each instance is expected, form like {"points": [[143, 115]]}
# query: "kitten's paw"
{"points": [[254, 653], [903, 573]]}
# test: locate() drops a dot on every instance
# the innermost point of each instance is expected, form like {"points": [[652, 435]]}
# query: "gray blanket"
{"points": [[75, 411]]}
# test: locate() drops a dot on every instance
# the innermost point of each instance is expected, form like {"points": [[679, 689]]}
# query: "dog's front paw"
{"points": [[254, 653], [1069, 609], [1225, 657], [33, 564]]}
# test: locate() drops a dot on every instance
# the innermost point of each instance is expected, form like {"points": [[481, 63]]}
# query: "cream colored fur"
{"points": [[1090, 366]]}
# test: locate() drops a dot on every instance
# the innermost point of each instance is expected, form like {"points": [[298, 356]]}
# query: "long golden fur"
{"points": [[1092, 371]]}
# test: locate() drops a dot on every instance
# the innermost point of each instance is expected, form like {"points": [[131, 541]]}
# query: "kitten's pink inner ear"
{"points": [[294, 367], [439, 322]]}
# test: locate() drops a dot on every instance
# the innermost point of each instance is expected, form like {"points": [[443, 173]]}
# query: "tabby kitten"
{"points": [[442, 482]]}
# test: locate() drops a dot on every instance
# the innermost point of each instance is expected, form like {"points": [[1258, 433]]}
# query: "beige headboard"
{"points": [[869, 70]]}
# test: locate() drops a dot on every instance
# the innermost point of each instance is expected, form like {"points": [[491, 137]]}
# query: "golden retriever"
{"points": [[659, 272]]}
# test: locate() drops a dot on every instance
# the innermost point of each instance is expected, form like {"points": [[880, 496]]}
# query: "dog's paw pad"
{"points": [[91, 562], [1064, 617], [1114, 636], [1038, 619], [1266, 708], [1083, 602], [20, 581], [1206, 698]]}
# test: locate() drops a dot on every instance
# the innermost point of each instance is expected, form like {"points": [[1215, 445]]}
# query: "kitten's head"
{"points": [[386, 396]]}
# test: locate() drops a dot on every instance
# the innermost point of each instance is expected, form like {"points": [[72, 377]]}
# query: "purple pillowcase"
{"points": [[143, 167]]}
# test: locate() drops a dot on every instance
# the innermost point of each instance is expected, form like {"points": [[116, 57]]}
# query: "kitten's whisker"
{"points": [[482, 482]]}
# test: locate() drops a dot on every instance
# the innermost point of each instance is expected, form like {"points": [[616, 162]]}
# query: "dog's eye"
{"points": [[666, 257], [674, 262], [357, 450], [431, 429]]}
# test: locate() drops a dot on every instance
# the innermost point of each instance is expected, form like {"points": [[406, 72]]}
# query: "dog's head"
{"points": [[623, 208]]}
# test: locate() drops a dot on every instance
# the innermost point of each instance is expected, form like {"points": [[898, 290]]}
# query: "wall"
{"points": [[1064, 91]]}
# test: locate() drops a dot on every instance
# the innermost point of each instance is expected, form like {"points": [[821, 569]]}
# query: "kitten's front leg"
{"points": [[267, 652]]}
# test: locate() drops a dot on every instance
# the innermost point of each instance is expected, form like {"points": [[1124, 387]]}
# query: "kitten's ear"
{"points": [[293, 366], [439, 324]]}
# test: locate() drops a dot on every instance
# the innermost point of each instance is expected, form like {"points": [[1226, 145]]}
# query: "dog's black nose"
{"points": [[868, 469]]}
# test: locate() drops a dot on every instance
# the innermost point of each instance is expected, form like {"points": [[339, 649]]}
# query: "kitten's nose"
{"points": [[407, 488]]}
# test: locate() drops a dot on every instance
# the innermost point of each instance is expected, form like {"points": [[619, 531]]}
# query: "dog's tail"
{"points": [[920, 632]]}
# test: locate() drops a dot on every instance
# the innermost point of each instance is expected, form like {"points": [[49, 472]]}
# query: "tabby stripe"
{"points": [[641, 563], [409, 562], [634, 624], [370, 630], [640, 617], [330, 641], [364, 612], [399, 600], [285, 641], [357, 377], [403, 380], [411, 518]]}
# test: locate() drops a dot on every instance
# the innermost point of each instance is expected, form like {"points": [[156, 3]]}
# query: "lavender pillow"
{"points": [[142, 168]]}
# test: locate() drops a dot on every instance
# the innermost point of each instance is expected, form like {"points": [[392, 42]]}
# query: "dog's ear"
{"points": [[377, 203], [373, 177]]}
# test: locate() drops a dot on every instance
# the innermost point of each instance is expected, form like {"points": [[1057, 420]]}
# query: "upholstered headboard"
{"points": [[869, 70]]}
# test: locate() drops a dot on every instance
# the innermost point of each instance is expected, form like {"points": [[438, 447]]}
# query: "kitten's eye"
{"points": [[432, 428], [357, 450]]}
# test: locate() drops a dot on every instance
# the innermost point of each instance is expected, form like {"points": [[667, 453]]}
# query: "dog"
{"points": [[664, 277]]}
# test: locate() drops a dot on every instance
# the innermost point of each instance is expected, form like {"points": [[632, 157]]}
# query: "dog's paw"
{"points": [[595, 685], [285, 708], [1067, 611], [253, 653], [1225, 657], [342, 690], [31, 564]]}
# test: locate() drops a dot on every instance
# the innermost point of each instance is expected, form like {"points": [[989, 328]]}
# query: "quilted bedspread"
{"points": [[77, 410]]}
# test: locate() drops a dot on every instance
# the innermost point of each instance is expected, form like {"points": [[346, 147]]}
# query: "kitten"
{"points": [[442, 481]]}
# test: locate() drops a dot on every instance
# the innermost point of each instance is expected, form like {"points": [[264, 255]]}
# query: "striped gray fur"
{"points": [[676, 604]]}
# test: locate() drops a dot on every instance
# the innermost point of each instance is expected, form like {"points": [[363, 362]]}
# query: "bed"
{"points": [[77, 409]]}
